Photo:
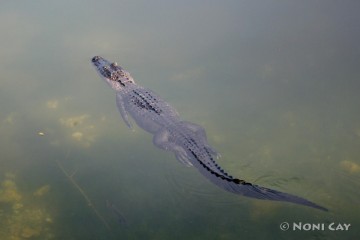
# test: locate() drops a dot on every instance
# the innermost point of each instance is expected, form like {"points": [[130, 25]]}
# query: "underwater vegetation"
{"points": [[350, 166], [21, 215]]}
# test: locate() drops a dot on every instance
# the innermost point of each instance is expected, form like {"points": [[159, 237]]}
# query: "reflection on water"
{"points": [[274, 85]]}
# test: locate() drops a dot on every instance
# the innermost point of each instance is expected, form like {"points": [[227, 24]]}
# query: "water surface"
{"points": [[274, 84]]}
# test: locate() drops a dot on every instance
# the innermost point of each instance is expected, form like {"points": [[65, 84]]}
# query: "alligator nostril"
{"points": [[94, 59]]}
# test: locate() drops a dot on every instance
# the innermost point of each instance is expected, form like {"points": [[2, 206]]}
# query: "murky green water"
{"points": [[275, 84]]}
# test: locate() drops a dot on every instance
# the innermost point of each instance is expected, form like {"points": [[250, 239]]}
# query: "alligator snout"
{"points": [[95, 59]]}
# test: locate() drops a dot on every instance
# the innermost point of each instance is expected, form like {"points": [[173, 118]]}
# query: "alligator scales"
{"points": [[186, 140]]}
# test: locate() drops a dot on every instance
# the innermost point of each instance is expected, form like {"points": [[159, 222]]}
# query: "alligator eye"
{"points": [[114, 64], [95, 59]]}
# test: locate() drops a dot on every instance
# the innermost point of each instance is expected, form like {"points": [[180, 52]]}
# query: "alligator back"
{"points": [[149, 111]]}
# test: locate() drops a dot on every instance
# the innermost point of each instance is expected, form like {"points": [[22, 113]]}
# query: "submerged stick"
{"points": [[118, 215], [82, 192]]}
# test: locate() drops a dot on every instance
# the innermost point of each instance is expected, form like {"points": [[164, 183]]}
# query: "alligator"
{"points": [[186, 140]]}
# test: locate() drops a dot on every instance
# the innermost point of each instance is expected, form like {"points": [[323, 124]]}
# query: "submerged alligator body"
{"points": [[186, 140]]}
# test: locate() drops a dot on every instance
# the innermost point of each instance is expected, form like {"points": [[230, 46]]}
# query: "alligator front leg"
{"points": [[122, 110], [161, 139]]}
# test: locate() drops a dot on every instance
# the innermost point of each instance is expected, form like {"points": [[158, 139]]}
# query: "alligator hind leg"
{"points": [[161, 139], [200, 133]]}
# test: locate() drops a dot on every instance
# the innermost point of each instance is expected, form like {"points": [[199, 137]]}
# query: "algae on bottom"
{"points": [[20, 220]]}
